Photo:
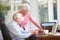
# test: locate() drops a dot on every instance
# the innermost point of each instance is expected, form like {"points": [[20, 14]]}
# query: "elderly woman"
{"points": [[25, 16], [25, 11]]}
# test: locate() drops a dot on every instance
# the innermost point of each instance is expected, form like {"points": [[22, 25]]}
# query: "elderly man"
{"points": [[17, 32]]}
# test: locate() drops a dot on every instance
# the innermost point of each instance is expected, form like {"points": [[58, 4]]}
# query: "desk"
{"points": [[51, 37], [46, 37]]}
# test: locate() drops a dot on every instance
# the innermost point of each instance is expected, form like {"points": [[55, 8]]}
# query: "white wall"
{"points": [[50, 10], [8, 18], [58, 11], [34, 12]]}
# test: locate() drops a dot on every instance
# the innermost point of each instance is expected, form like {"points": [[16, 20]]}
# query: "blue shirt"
{"points": [[18, 31]]}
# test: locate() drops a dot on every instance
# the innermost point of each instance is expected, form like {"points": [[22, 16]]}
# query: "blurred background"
{"points": [[41, 10]]}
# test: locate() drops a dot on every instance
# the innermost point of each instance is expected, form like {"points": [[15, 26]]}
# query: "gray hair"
{"points": [[27, 5]]}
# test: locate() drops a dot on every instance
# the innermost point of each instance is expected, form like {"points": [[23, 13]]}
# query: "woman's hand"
{"points": [[34, 32], [40, 31]]}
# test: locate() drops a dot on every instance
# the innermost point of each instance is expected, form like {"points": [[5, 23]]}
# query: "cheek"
{"points": [[16, 20]]}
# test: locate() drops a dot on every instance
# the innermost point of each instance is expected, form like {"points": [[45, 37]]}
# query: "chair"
{"points": [[4, 29], [5, 32], [1, 37]]}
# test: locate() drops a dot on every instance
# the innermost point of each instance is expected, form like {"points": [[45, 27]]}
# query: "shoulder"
{"points": [[12, 23], [27, 14], [18, 11]]}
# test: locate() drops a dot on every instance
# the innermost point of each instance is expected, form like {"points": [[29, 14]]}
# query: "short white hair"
{"points": [[17, 15]]}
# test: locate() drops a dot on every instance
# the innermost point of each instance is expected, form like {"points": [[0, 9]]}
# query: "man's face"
{"points": [[17, 19]]}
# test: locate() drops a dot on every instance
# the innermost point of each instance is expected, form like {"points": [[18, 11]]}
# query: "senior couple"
{"points": [[19, 26]]}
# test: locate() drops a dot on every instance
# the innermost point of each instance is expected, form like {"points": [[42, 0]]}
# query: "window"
{"points": [[43, 10], [19, 7], [55, 9], [16, 0]]}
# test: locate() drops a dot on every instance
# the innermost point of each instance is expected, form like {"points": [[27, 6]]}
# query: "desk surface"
{"points": [[48, 37]]}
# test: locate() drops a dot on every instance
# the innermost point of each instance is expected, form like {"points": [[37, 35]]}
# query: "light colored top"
{"points": [[27, 18], [17, 30]]}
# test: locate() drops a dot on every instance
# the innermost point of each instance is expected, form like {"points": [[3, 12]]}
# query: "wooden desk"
{"points": [[49, 37], [45, 37]]}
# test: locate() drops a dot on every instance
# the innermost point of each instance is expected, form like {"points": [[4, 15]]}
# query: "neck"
{"points": [[24, 12]]}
